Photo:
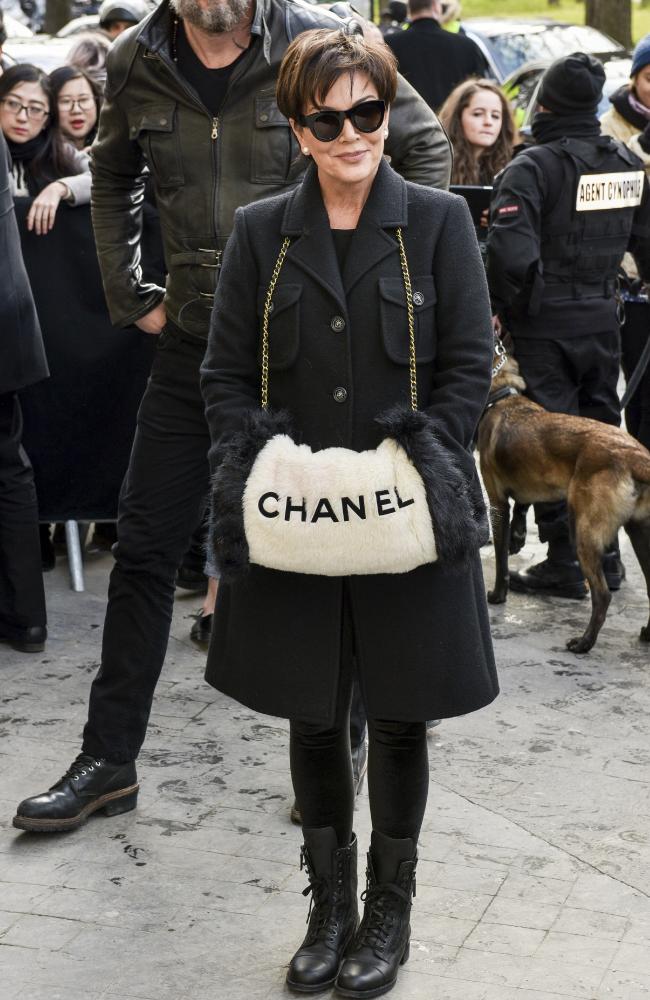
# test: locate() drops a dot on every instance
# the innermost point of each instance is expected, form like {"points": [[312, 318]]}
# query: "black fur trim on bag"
{"points": [[459, 519], [227, 544]]}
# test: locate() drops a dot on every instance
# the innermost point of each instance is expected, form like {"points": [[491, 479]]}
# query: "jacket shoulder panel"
{"points": [[120, 59], [299, 15]]}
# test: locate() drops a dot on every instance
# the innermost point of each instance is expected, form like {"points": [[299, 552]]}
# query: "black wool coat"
{"points": [[22, 355], [422, 639]]}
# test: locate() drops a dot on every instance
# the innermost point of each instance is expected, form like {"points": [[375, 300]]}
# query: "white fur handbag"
{"points": [[338, 512]]}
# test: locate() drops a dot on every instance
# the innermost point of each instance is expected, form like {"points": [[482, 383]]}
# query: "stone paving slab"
{"points": [[534, 876]]}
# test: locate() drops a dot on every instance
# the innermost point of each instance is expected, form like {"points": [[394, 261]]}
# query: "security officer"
{"points": [[563, 214]]}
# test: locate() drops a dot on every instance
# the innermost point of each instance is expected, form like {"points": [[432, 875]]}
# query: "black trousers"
{"points": [[634, 336], [22, 597], [161, 503], [398, 763], [577, 375]]}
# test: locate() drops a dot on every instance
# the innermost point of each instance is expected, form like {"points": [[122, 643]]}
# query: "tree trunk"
{"points": [[614, 17], [57, 13]]}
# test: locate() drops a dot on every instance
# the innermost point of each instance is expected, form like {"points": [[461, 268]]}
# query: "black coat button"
{"points": [[340, 394], [337, 324]]}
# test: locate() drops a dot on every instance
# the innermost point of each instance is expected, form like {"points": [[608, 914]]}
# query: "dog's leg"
{"points": [[518, 528], [590, 554], [638, 534], [500, 518]]}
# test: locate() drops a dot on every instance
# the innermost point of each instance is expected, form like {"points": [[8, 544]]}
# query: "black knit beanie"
{"points": [[572, 85]]}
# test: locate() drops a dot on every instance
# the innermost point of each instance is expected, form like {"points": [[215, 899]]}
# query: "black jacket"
{"points": [[205, 168], [552, 258], [433, 60], [22, 355], [423, 638]]}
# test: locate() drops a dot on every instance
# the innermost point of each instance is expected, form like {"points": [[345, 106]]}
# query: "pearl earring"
{"points": [[385, 133], [305, 150]]}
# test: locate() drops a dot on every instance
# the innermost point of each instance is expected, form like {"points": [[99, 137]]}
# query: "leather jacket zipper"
{"points": [[215, 129]]}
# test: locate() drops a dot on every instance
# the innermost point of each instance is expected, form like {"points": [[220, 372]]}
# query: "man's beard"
{"points": [[218, 17]]}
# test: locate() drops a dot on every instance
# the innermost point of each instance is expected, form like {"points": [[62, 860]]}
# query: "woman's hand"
{"points": [[154, 321], [43, 211]]}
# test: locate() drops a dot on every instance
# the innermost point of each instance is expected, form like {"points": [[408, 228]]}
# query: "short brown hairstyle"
{"points": [[315, 60]]}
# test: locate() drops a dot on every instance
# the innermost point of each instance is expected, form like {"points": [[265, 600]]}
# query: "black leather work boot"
{"points": [[333, 913], [89, 784], [551, 577], [613, 567], [382, 942]]}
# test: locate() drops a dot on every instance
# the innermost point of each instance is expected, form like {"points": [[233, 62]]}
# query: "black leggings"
{"points": [[398, 764]]}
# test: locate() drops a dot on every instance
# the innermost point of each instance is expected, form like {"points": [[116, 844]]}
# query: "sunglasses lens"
{"points": [[369, 116], [326, 126]]}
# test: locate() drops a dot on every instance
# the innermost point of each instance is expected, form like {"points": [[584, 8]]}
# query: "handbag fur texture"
{"points": [[456, 529]]}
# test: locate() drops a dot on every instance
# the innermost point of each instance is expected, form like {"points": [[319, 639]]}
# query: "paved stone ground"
{"points": [[534, 876]]}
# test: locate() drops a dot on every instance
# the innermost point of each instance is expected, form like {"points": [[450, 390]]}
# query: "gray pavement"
{"points": [[534, 877]]}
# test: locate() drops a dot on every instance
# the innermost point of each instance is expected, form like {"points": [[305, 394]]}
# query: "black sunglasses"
{"points": [[328, 125]]}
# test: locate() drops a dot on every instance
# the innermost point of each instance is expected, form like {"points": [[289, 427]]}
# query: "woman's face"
{"points": [[24, 112], [481, 120], [354, 156], [641, 83], [77, 109]]}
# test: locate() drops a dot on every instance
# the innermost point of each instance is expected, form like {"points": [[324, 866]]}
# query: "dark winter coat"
{"points": [[22, 355], [422, 638]]}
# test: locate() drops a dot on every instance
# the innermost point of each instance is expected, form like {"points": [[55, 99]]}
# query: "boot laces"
{"points": [[80, 765], [322, 903], [380, 914]]}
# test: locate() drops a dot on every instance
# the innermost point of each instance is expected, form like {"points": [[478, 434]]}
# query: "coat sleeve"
{"points": [[417, 143], [116, 201], [230, 374], [514, 237], [465, 341], [639, 245], [79, 184]]}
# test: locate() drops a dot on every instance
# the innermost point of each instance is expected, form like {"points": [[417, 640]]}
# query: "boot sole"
{"points": [[320, 988], [574, 593], [24, 647], [113, 804]]}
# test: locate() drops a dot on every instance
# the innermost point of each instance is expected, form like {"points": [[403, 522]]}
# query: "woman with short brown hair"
{"points": [[359, 282]]}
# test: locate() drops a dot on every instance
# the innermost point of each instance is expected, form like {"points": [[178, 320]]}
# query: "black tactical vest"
{"points": [[594, 189]]}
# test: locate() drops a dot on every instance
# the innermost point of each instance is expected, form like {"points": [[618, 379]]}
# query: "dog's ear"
{"points": [[507, 341]]}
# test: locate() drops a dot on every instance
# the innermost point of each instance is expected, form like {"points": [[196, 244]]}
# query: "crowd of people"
{"points": [[325, 296]]}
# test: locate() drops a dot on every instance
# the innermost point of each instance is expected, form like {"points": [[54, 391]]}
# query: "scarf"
{"points": [[547, 127], [22, 155], [630, 108]]}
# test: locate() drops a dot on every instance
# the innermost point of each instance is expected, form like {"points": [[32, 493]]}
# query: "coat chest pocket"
{"points": [[394, 319], [284, 325], [273, 146], [154, 128]]}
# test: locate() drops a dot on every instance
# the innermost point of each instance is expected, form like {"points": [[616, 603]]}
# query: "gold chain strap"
{"points": [[409, 308], [265, 322], [413, 371]]}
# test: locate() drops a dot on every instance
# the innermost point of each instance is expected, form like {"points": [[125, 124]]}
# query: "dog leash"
{"points": [[637, 375]]}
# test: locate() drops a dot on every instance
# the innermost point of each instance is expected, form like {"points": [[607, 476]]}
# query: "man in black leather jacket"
{"points": [[190, 94]]}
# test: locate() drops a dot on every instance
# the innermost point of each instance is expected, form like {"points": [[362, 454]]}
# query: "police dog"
{"points": [[603, 473]]}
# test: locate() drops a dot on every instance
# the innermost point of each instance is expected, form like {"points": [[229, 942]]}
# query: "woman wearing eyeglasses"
{"points": [[78, 101], [336, 252], [44, 166]]}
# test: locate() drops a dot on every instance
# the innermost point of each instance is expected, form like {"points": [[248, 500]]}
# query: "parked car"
{"points": [[41, 50], [508, 43], [522, 86]]}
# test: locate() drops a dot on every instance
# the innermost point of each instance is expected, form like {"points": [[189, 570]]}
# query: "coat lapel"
{"points": [[386, 208], [313, 250]]}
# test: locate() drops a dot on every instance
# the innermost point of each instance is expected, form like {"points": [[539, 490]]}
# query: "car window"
{"points": [[511, 51]]}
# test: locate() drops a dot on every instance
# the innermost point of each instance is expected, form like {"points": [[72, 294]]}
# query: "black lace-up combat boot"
{"points": [[382, 942], [333, 913]]}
